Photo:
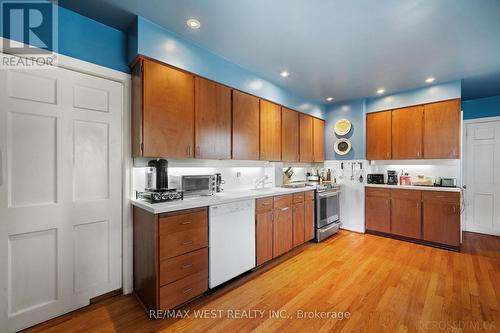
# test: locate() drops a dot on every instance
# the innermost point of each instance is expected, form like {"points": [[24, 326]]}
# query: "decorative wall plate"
{"points": [[342, 146], [342, 126]]}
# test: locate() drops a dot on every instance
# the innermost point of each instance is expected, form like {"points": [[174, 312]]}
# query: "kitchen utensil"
{"points": [[352, 171], [361, 179], [341, 170]]}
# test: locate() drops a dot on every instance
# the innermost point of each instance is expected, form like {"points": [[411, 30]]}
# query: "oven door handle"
{"points": [[326, 195]]}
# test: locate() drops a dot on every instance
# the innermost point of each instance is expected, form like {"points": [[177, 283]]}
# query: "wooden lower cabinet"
{"points": [[282, 223], [425, 216], [264, 236], [309, 221], [378, 209], [406, 213], [441, 218], [298, 219], [170, 257]]}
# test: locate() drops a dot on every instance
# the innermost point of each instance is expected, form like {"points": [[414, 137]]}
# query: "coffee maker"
{"points": [[392, 177], [157, 175]]}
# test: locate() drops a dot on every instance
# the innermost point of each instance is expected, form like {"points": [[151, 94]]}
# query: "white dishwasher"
{"points": [[231, 235]]}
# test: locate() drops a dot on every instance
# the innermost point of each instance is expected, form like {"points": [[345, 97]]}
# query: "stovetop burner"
{"points": [[160, 195]]}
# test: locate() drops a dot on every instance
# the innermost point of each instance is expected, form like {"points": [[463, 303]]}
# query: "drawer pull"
{"points": [[266, 203], [187, 290], [284, 209], [189, 242], [186, 266], [185, 222]]}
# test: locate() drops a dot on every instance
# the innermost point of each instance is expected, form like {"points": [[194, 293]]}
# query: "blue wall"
{"points": [[356, 110], [83, 38], [428, 94], [481, 107], [149, 39]]}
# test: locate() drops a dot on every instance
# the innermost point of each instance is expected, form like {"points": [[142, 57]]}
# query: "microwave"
{"points": [[194, 184]]}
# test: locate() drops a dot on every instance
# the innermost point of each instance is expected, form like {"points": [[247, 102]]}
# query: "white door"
{"points": [[60, 193], [482, 177]]}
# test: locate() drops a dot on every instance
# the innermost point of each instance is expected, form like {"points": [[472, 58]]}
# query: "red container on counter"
{"points": [[404, 180]]}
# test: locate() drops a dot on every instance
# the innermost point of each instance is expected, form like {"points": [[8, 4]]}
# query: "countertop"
{"points": [[415, 187], [224, 197]]}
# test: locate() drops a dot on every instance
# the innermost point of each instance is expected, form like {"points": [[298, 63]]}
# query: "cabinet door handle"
{"points": [[284, 209], [188, 151], [186, 265], [187, 290], [189, 242], [198, 151], [185, 222], [454, 209]]}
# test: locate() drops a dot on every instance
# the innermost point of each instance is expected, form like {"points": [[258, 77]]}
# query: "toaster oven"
{"points": [[194, 184]]}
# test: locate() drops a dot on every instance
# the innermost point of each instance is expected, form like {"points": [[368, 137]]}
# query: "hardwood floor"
{"points": [[384, 284]]}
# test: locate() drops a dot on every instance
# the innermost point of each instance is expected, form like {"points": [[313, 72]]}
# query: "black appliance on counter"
{"points": [[327, 220], [157, 189], [392, 177], [375, 178], [157, 174]]}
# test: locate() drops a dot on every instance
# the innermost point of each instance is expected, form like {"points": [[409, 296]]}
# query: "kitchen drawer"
{"points": [[406, 194], [264, 204], [178, 292], [377, 192], [309, 195], [451, 197], [283, 201], [182, 233], [181, 266], [298, 197]]}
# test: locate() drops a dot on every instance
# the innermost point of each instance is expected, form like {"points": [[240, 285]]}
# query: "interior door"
{"points": [[482, 162], [60, 193]]}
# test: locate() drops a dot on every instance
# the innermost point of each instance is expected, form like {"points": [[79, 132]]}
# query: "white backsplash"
{"points": [[234, 177]]}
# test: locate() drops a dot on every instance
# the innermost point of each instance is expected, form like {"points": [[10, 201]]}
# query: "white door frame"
{"points": [[464, 154], [124, 79]]}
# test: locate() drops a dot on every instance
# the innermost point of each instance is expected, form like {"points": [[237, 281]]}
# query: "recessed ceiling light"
{"points": [[430, 79], [329, 99], [193, 23], [381, 91], [284, 73]]}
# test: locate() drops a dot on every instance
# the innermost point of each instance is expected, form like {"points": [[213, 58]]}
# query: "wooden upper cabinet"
{"points": [[289, 135], [270, 131], [245, 126], [407, 131], [212, 120], [442, 130], [167, 111], [306, 144], [378, 136], [318, 140]]}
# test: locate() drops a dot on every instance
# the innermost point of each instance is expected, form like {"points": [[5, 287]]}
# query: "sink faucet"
{"points": [[261, 182]]}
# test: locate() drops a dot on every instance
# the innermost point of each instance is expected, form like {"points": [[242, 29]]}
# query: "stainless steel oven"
{"points": [[327, 211]]}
